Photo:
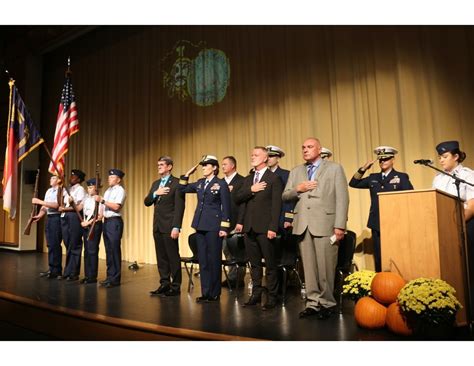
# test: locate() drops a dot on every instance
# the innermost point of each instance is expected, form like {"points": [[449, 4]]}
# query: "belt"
{"points": [[112, 218]]}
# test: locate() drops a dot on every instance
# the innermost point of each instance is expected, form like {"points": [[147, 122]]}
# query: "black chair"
{"points": [[236, 247], [191, 261], [288, 262], [345, 262]]}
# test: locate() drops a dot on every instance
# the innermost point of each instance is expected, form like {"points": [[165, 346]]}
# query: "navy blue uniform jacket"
{"points": [[395, 181], [213, 206]]}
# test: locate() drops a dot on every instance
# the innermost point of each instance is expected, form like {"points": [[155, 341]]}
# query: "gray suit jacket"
{"points": [[321, 209]]}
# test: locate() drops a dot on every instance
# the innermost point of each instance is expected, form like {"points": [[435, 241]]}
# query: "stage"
{"points": [[35, 308]]}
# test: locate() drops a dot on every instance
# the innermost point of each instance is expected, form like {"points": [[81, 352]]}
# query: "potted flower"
{"points": [[357, 284], [430, 306]]}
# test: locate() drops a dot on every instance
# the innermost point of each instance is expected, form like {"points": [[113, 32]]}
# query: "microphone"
{"points": [[423, 161]]}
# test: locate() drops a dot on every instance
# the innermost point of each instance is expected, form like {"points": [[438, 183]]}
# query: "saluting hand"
{"points": [[257, 187], [306, 186], [369, 164], [192, 170]]}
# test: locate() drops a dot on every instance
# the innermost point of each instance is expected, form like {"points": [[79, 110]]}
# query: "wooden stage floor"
{"points": [[131, 302]]}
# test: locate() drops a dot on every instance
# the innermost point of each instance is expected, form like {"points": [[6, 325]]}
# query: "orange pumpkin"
{"points": [[369, 313], [386, 286], [396, 322]]}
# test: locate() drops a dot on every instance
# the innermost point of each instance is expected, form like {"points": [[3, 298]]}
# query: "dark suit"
{"points": [[261, 213], [168, 214], [211, 216], [395, 181], [233, 242]]}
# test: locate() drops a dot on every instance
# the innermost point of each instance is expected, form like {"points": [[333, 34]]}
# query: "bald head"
{"points": [[311, 149]]}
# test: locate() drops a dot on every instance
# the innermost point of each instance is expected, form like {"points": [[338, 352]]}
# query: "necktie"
{"points": [[256, 178], [206, 183], [162, 183], [383, 177], [311, 168]]}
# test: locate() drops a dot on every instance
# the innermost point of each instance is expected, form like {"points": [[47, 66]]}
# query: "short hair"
{"points": [[263, 148], [232, 159], [166, 159]]}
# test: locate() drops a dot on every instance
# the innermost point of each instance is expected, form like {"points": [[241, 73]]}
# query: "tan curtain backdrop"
{"points": [[353, 87]]}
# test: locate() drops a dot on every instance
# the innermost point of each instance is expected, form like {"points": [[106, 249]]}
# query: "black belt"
{"points": [[112, 218]]}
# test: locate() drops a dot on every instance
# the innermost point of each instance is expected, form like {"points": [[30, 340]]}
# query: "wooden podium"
{"points": [[420, 238]]}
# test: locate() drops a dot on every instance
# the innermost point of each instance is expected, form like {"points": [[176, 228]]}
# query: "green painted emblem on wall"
{"points": [[199, 73]]}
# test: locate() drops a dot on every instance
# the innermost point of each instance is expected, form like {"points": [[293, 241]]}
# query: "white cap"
{"points": [[325, 152], [385, 152], [275, 151]]}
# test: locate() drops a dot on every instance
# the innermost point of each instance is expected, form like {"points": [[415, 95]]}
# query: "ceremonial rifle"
{"points": [[96, 209]]}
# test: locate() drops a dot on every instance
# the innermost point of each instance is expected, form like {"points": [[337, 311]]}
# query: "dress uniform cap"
{"points": [[275, 151], [325, 152], [91, 182], [447, 146], [385, 152], [116, 172], [209, 159], [78, 173]]}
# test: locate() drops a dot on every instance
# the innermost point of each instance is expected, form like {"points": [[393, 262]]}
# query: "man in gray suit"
{"points": [[319, 189]]}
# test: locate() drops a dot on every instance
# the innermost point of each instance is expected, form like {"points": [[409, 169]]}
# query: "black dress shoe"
{"points": [[172, 292], [50, 276], [87, 280], [72, 278], [309, 312], [104, 282], [214, 298], [253, 300], [160, 290], [201, 299], [111, 284], [326, 313], [44, 273], [270, 304]]}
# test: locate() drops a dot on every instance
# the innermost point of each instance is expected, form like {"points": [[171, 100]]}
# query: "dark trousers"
{"points": [[209, 246], [377, 255], [112, 231], [258, 246], [167, 255], [91, 251], [53, 239], [72, 235]]}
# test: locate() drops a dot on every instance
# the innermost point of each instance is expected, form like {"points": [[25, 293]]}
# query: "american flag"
{"points": [[67, 125], [22, 138]]}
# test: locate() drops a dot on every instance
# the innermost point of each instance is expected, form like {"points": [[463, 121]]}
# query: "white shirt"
{"points": [[51, 196], [115, 194], [78, 193], [89, 207], [229, 178], [446, 184], [261, 172]]}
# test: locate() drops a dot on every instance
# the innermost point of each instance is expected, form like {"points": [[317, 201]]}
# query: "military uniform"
{"points": [[211, 216], [113, 230], [446, 184], [376, 183], [53, 234], [91, 247], [72, 230]]}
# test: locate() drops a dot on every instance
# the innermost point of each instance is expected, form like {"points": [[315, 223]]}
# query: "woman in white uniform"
{"points": [[450, 158]]}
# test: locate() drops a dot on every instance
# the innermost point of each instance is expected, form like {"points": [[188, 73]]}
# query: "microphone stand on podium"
{"points": [[459, 205]]}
